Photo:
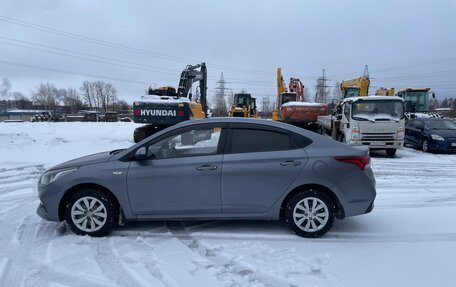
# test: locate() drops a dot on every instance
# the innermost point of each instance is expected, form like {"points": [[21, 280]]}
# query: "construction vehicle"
{"points": [[374, 121], [163, 107], [384, 92], [417, 102], [244, 106], [292, 107], [358, 87]]}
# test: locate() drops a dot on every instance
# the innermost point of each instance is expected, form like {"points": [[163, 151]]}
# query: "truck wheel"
{"points": [[310, 214], [391, 152]]}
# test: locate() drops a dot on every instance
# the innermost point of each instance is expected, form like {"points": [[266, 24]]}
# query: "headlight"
{"points": [[400, 133], [437, 137], [51, 176]]}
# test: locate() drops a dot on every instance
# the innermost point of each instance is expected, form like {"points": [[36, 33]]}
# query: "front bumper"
{"points": [[379, 144], [442, 146], [50, 198]]}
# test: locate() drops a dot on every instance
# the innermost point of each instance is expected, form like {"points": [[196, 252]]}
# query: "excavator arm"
{"points": [[190, 75]]}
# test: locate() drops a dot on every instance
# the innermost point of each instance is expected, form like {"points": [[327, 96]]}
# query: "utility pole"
{"points": [[220, 94], [366, 72], [320, 96]]}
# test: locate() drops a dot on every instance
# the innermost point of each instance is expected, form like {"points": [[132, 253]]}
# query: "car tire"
{"points": [[307, 223], [91, 212], [425, 146], [391, 152]]}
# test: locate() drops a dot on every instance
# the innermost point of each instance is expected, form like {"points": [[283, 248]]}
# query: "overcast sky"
{"points": [[136, 43]]}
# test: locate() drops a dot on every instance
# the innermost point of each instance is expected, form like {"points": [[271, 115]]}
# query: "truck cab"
{"points": [[375, 121], [416, 99]]}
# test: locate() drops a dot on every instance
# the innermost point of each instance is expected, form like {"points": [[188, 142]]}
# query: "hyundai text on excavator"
{"points": [[292, 108], [244, 106], [164, 106]]}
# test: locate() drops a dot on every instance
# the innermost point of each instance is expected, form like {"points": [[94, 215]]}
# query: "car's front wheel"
{"points": [[425, 146], [310, 213], [90, 212]]}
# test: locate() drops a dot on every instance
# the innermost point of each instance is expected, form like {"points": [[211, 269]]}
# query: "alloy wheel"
{"points": [[89, 214]]}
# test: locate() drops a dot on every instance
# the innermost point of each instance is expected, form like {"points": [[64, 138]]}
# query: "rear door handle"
{"points": [[290, 163], [206, 167]]}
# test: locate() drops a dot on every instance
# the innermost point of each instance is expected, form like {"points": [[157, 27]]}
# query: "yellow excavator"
{"points": [[358, 87], [384, 92]]}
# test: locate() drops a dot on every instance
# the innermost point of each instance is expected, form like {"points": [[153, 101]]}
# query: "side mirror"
{"points": [[433, 95], [141, 153]]}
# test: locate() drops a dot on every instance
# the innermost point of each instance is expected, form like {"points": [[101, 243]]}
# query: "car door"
{"points": [[417, 132], [409, 126], [181, 175], [259, 165]]}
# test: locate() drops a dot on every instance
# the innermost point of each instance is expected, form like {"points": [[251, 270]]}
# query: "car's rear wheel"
{"points": [[310, 213], [425, 146], [90, 212]]}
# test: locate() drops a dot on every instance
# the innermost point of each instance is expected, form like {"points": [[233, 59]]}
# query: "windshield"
{"points": [[242, 100], [378, 110], [288, 98], [440, 125], [351, 92], [420, 100]]}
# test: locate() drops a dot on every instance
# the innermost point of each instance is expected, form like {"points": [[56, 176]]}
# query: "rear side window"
{"points": [[253, 140]]}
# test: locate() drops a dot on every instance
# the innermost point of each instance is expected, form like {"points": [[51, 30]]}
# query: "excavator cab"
{"points": [[287, 97], [162, 91], [242, 105], [351, 92]]}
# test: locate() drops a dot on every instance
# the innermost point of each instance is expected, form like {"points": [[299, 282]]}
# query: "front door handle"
{"points": [[290, 163], [206, 167]]}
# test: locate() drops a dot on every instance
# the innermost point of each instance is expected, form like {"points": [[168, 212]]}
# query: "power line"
{"points": [[10, 63]]}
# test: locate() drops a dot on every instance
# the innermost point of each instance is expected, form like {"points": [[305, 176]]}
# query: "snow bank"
{"points": [[302, 104]]}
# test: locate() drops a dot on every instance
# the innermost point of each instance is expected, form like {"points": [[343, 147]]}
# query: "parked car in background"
{"points": [[270, 171], [431, 134]]}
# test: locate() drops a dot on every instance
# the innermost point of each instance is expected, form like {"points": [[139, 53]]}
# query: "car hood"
{"points": [[444, 133], [85, 160]]}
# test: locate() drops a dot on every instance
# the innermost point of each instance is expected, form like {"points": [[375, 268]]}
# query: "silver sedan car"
{"points": [[219, 168]]}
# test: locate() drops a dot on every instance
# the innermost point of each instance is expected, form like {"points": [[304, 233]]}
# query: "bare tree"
{"points": [[46, 95], [72, 100], [337, 93], [111, 96], [88, 94]]}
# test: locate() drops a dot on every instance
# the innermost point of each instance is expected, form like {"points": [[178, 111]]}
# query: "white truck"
{"points": [[373, 121]]}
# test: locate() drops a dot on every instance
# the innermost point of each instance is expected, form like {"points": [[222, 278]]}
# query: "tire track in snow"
{"points": [[228, 265], [126, 271]]}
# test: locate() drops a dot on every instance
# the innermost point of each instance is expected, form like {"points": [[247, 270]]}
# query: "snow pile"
{"points": [[162, 99], [303, 104]]}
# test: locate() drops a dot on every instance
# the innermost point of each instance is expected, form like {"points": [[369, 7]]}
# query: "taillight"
{"points": [[362, 161]]}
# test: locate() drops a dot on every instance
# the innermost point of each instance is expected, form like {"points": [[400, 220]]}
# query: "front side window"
{"points": [[253, 140], [188, 143]]}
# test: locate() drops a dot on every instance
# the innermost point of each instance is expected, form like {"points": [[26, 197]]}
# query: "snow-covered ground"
{"points": [[408, 240]]}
